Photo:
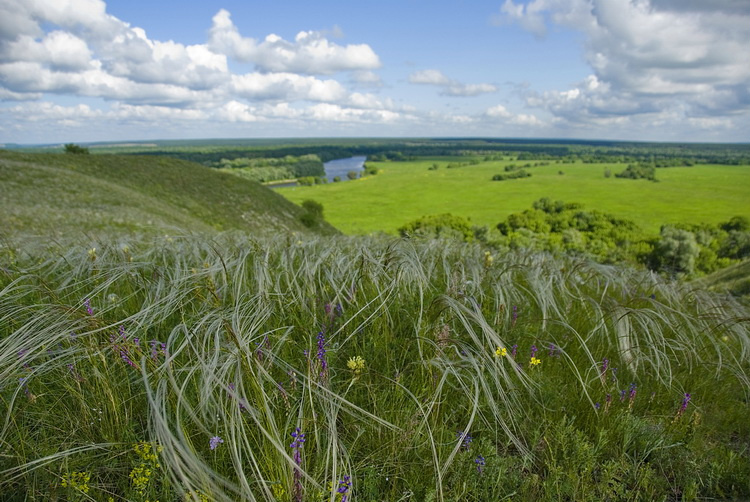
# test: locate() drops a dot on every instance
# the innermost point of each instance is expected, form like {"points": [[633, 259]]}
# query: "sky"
{"points": [[648, 70]]}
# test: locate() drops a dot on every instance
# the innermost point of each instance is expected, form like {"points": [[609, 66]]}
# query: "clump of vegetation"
{"points": [[521, 173], [312, 180], [636, 172], [439, 226], [313, 215], [679, 250], [74, 149], [273, 169], [242, 368]]}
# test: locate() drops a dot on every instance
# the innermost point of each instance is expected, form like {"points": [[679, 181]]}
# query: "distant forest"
{"points": [[657, 154]]}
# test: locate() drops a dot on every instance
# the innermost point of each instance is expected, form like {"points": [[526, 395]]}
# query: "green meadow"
{"points": [[404, 191]]}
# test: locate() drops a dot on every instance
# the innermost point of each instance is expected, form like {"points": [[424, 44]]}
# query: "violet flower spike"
{"points": [[299, 439], [466, 439], [344, 485], [480, 463], [685, 402], [214, 442]]}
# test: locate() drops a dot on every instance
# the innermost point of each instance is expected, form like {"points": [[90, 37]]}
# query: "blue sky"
{"points": [[89, 70]]}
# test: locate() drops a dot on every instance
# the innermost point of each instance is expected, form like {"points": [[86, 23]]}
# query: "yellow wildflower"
{"points": [[77, 480], [534, 361], [356, 364], [501, 352]]}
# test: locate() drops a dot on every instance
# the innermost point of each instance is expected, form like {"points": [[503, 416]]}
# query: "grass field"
{"points": [[404, 191]]}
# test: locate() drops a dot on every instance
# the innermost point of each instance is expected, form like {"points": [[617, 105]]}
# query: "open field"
{"points": [[404, 191]]}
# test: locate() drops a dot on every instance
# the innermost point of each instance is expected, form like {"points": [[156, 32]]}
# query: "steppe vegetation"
{"points": [[182, 367], [238, 348]]}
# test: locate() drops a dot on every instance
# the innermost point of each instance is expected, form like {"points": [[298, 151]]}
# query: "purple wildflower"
{"points": [[299, 440], [632, 391], [344, 485], [214, 442], [683, 406], [465, 438], [552, 350], [87, 304], [329, 310], [157, 348], [121, 349], [605, 365], [514, 350], [622, 395], [533, 350], [597, 405], [480, 463], [515, 314], [339, 309]]}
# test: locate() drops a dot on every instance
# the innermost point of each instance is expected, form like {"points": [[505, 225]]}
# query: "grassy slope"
{"points": [[734, 279], [404, 191], [60, 194]]}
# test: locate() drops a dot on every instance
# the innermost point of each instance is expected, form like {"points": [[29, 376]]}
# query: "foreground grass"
{"points": [[179, 368], [405, 191]]}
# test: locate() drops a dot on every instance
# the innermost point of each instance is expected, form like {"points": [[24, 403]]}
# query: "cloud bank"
{"points": [[663, 61]]}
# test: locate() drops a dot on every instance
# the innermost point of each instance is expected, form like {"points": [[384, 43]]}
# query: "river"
{"points": [[333, 168]]}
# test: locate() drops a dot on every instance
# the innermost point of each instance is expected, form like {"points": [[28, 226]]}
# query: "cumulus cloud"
{"points": [[661, 57], [286, 86], [449, 87], [500, 114], [310, 53], [75, 48]]}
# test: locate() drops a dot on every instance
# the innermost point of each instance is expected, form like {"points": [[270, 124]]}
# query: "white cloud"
{"points": [[58, 49], [310, 53], [449, 86], [285, 87], [660, 58], [429, 77], [366, 78], [500, 114]]}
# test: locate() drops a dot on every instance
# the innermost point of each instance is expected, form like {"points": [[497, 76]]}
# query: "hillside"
{"points": [[58, 194], [734, 279]]}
